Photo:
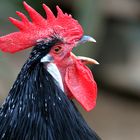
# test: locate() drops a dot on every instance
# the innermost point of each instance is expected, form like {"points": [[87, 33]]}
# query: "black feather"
{"points": [[37, 109]]}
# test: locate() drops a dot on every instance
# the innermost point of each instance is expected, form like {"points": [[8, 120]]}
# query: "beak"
{"points": [[48, 58], [86, 60], [86, 38]]}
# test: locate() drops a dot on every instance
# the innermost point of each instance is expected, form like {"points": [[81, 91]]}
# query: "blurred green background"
{"points": [[115, 24]]}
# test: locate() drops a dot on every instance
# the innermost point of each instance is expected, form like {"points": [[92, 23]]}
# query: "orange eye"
{"points": [[57, 49]]}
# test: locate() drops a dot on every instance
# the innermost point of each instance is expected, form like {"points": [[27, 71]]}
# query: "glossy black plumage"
{"points": [[37, 109]]}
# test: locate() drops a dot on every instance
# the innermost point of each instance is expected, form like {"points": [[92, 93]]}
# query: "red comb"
{"points": [[39, 28]]}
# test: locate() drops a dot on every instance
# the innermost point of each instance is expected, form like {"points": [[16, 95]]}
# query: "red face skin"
{"points": [[63, 59], [77, 78]]}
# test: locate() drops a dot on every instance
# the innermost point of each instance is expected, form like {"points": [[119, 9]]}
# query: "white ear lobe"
{"points": [[53, 70], [47, 58]]}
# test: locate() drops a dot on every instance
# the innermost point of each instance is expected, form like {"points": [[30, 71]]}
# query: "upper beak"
{"points": [[86, 38]]}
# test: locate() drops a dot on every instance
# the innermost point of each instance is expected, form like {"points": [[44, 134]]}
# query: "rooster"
{"points": [[39, 105]]}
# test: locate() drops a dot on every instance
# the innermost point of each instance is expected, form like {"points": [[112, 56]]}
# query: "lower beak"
{"points": [[85, 60]]}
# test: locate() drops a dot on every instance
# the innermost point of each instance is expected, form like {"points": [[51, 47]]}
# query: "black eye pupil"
{"points": [[57, 49]]}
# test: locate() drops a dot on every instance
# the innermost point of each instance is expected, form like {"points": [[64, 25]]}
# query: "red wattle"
{"points": [[81, 84]]}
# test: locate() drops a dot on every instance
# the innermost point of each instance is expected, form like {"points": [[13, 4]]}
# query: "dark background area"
{"points": [[115, 24]]}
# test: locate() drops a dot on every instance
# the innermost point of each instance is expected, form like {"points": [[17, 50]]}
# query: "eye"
{"points": [[57, 49]]}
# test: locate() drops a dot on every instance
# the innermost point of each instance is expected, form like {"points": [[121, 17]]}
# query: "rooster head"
{"points": [[70, 71]]}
